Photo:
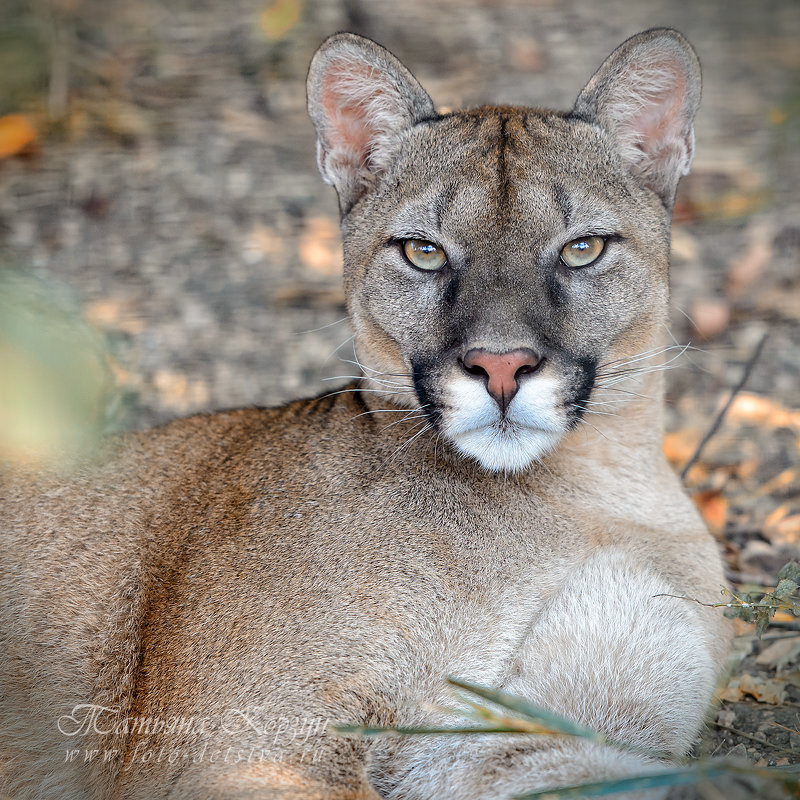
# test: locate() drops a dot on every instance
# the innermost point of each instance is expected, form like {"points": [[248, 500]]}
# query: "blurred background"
{"points": [[166, 245]]}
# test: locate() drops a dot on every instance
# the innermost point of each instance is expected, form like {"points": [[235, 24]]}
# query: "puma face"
{"points": [[498, 259], [479, 287]]}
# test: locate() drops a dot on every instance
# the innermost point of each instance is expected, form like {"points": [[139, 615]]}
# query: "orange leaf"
{"points": [[679, 446], [320, 247], [713, 507], [757, 410], [16, 133]]}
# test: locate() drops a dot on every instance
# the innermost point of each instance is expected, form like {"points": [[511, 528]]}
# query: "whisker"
{"points": [[389, 411], [645, 354], [404, 419], [408, 442], [377, 372], [371, 391], [601, 386], [597, 430], [390, 384], [590, 411], [337, 349], [316, 330]]}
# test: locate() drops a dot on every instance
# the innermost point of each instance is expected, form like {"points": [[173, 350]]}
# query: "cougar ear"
{"points": [[360, 99], [646, 94]]}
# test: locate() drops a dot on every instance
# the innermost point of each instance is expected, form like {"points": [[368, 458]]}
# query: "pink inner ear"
{"points": [[659, 92], [350, 96]]}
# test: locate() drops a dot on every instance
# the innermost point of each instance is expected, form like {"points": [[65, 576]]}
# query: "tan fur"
{"points": [[232, 584]]}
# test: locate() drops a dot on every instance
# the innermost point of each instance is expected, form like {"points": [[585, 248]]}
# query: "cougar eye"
{"points": [[424, 255], [582, 252]]}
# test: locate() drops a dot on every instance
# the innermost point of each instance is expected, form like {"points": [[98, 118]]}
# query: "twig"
{"points": [[724, 410], [752, 738], [738, 604]]}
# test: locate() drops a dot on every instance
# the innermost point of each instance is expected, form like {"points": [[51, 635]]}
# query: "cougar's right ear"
{"points": [[360, 99]]}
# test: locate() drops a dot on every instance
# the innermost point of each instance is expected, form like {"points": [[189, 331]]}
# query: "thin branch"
{"points": [[724, 410]]}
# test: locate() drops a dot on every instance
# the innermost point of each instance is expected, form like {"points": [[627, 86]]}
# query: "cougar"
{"points": [[192, 613]]}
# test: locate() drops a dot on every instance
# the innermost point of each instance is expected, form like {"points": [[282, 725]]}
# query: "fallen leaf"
{"points": [[787, 532], [263, 243], [110, 313], [177, 392], [763, 690], [757, 410], [684, 246], [752, 262], [16, 133], [320, 248], [713, 507], [679, 446], [780, 653]]}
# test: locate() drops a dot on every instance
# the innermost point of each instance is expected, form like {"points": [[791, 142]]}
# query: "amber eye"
{"points": [[424, 255], [582, 252]]}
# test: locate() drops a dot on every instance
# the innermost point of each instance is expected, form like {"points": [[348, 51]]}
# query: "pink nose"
{"points": [[502, 371]]}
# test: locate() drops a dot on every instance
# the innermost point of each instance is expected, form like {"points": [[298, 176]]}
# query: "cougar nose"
{"points": [[502, 371]]}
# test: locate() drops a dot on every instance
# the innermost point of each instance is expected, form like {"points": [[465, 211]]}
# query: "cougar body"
{"points": [[192, 612]]}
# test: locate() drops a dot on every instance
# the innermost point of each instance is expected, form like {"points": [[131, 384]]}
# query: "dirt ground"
{"points": [[172, 193]]}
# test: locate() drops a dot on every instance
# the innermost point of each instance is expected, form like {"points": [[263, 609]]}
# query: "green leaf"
{"points": [[790, 572], [785, 588]]}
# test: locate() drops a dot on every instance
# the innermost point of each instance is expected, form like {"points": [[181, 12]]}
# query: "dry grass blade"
{"points": [[547, 720], [361, 730]]}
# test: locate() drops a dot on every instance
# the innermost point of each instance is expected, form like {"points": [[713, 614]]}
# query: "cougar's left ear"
{"points": [[360, 99], [646, 94]]}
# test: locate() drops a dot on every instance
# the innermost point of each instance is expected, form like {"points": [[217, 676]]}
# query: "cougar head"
{"points": [[496, 258]]}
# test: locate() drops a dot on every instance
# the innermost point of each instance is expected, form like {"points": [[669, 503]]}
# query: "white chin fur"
{"points": [[533, 425]]}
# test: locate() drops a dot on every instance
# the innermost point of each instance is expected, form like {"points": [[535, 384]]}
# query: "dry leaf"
{"points": [[679, 446], [684, 246], [110, 313], [320, 247], [16, 133], [786, 533], [763, 690], [749, 267], [178, 393], [780, 653], [713, 507], [263, 243], [756, 410]]}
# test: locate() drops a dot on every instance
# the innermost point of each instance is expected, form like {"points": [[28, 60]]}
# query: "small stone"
{"points": [[726, 718]]}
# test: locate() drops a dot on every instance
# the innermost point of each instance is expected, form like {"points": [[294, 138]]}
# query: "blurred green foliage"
{"points": [[24, 59], [54, 382]]}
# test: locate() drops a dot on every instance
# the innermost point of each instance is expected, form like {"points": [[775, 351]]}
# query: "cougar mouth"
{"points": [[508, 437]]}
